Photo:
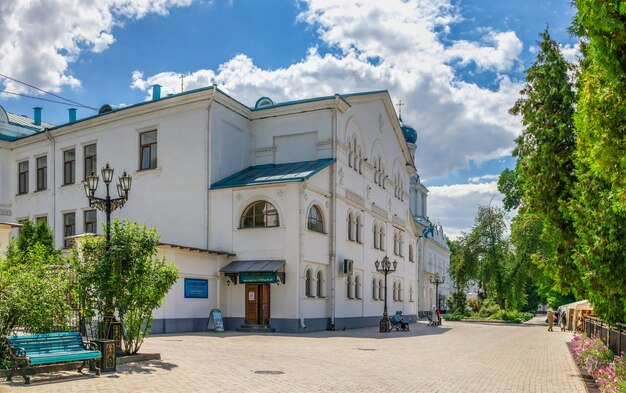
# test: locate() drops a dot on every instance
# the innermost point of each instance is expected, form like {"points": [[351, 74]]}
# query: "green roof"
{"points": [[273, 173]]}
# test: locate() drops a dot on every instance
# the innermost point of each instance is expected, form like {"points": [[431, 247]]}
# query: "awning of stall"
{"points": [[255, 271]]}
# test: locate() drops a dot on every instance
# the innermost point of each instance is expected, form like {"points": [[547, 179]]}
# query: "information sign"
{"points": [[196, 288], [217, 324]]}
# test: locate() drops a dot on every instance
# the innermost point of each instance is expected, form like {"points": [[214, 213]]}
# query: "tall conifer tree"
{"points": [[544, 173]]}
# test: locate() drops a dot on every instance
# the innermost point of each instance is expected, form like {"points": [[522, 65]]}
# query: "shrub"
{"points": [[457, 301], [590, 353], [131, 274], [489, 309], [455, 316], [612, 378]]}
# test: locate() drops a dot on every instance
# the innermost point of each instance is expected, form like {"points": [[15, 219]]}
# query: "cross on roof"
{"points": [[400, 104], [182, 82]]}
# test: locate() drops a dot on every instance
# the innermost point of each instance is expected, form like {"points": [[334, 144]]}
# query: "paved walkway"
{"points": [[457, 357]]}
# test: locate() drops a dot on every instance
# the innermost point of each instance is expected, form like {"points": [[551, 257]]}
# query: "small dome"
{"points": [[410, 135]]}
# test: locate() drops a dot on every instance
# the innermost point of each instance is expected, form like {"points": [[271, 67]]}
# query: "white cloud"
{"points": [[457, 121], [483, 179], [40, 39], [570, 52], [456, 205], [500, 57]]}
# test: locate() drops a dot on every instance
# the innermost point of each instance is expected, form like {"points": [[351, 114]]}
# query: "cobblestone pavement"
{"points": [[457, 357]]}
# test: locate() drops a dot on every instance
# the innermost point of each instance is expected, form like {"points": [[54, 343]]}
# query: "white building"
{"points": [[274, 214], [433, 250]]}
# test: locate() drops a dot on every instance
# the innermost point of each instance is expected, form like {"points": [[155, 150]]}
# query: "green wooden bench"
{"points": [[50, 348]]}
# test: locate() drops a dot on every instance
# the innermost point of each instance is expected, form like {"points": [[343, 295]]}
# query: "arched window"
{"points": [[350, 224], [359, 229], [381, 289], [411, 257], [357, 286], [395, 291], [315, 221], [360, 161], [374, 288], [260, 214], [320, 284], [382, 237], [401, 244], [411, 293], [308, 278], [349, 287], [350, 152], [395, 242], [400, 296], [376, 236]]}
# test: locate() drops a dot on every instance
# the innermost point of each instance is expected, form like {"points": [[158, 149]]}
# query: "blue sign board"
{"points": [[196, 288]]}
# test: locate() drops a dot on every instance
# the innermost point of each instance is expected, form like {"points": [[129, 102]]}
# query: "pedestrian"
{"points": [[580, 323], [550, 319], [563, 320], [438, 317]]}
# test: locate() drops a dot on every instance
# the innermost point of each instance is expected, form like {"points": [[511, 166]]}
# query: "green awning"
{"points": [[256, 266]]}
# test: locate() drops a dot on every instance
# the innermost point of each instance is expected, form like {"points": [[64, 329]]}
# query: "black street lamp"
{"points": [[437, 280], [112, 328], [385, 268]]}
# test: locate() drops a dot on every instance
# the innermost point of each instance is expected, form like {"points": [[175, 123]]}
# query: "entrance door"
{"points": [[257, 304]]}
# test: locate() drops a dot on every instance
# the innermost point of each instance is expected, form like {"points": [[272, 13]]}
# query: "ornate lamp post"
{"points": [[385, 268], [437, 280], [112, 328]]}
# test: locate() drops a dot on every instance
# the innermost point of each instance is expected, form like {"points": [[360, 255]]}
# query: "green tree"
{"points": [[488, 246], [543, 179], [34, 283], [131, 273], [599, 209]]}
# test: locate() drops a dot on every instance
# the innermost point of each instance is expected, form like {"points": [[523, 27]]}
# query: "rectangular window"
{"points": [[41, 219], [90, 160], [91, 221], [69, 167], [148, 149], [69, 228], [23, 177], [42, 173]]}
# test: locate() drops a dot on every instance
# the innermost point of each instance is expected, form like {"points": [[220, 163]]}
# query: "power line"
{"points": [[44, 99], [47, 92]]}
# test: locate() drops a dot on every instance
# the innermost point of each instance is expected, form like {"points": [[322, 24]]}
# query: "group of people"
{"points": [[561, 318]]}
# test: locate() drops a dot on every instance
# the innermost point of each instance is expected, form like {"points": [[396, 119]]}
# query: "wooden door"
{"points": [[252, 304], [265, 304]]}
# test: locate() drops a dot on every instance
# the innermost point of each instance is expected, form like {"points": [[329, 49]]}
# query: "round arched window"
{"points": [[315, 221], [260, 214]]}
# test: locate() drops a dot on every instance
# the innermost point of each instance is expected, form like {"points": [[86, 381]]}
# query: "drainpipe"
{"points": [[54, 179], [207, 185], [333, 214], [301, 221], [207, 168]]}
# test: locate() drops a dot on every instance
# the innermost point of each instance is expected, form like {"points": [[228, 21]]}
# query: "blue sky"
{"points": [[458, 65]]}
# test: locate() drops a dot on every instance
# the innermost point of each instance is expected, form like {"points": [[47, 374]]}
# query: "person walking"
{"points": [[550, 320], [563, 320]]}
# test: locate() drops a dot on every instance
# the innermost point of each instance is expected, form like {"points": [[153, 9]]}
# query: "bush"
{"points": [[612, 378], [455, 316], [34, 284], [457, 301], [590, 353], [131, 275], [490, 309]]}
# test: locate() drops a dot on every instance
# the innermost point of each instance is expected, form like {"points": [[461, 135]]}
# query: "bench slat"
{"points": [[64, 357]]}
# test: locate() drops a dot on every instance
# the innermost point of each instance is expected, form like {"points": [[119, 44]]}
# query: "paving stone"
{"points": [[457, 357]]}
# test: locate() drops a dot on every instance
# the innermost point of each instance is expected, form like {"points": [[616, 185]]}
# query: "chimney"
{"points": [[37, 116], [72, 113], [156, 92]]}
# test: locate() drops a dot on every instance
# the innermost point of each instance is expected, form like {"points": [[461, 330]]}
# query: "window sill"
{"points": [[152, 171]]}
